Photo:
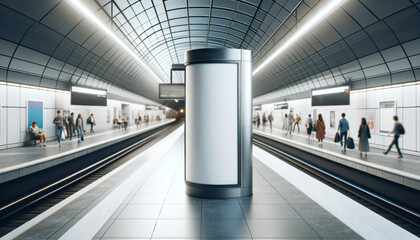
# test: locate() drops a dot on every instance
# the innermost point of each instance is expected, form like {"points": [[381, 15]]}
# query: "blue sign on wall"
{"points": [[36, 113]]}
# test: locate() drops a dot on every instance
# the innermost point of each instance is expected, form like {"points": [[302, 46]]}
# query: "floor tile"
{"points": [[216, 228], [181, 211], [140, 211], [297, 198], [223, 211], [131, 228], [178, 228], [263, 189], [148, 198], [181, 198], [263, 198], [312, 211], [269, 211], [217, 202], [154, 189], [280, 228], [331, 227]]}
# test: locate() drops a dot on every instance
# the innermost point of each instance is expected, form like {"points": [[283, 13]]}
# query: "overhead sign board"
{"points": [[171, 91], [281, 106]]}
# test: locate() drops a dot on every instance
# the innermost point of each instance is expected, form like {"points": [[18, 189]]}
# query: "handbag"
{"points": [[63, 136], [337, 137], [350, 143]]}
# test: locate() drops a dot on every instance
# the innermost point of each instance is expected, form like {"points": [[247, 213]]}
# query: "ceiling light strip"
{"points": [[318, 17], [88, 14]]}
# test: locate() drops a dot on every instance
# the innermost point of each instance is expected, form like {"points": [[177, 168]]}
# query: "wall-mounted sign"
{"points": [[281, 106], [387, 110], [331, 96], [88, 96], [35, 113], [152, 107], [257, 108]]}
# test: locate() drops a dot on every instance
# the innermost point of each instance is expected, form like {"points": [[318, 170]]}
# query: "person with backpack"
{"points": [[309, 126], [270, 119], [297, 122], [343, 130], [264, 118], [79, 128], [397, 131], [364, 135], [258, 120], [290, 120], [91, 121]]}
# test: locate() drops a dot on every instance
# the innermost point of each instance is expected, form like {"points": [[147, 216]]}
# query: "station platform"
{"points": [[21, 161], [405, 171], [147, 200]]}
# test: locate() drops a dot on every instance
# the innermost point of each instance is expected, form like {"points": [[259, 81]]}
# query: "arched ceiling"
{"points": [[363, 43]]}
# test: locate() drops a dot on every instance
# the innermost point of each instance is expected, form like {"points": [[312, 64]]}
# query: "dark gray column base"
{"points": [[210, 191]]}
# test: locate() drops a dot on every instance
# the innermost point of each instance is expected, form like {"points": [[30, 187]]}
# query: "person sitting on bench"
{"points": [[36, 133]]}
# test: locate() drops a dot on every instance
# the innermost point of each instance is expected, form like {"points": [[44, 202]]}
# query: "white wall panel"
{"points": [[13, 125], [409, 139], [418, 129], [409, 96], [13, 96]]}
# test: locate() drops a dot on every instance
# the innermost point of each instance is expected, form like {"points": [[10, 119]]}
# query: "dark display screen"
{"points": [[331, 96], [88, 96], [281, 106]]}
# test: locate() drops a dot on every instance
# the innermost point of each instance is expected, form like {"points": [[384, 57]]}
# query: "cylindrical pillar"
{"points": [[218, 127]]}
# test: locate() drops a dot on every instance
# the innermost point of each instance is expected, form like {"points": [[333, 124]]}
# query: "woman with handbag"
{"points": [[320, 129], [364, 135]]}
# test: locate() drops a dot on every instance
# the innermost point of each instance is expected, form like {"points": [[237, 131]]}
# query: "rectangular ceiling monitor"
{"points": [[171, 91], [331, 96], [88, 96]]}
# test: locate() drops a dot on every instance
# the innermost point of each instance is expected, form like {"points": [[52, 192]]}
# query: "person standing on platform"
{"points": [[290, 121], [285, 122], [92, 122], [254, 120], [70, 125], [258, 120], [270, 119], [343, 130], [309, 126], [397, 131], [79, 128], [320, 129], [58, 121], [364, 135], [264, 118], [297, 122], [125, 121]]}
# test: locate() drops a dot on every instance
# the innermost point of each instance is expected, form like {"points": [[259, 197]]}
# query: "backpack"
{"points": [[88, 121], [401, 129]]}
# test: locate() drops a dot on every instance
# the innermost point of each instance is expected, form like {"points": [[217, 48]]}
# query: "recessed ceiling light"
{"points": [[89, 15], [318, 17]]}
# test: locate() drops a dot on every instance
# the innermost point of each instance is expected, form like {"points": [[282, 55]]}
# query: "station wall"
{"points": [[13, 100], [362, 102]]}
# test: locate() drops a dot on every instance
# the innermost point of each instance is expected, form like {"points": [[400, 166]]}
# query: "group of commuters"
{"points": [[72, 125], [68, 124], [343, 130], [257, 120]]}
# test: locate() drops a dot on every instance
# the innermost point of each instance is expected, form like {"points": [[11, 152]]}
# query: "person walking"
{"points": [[36, 133], [70, 125], [254, 120], [297, 122], [92, 122], [364, 135], [290, 121], [320, 129], [309, 126], [79, 128], [343, 130], [125, 121], [270, 119], [258, 120], [58, 121], [285, 122], [264, 118], [397, 131]]}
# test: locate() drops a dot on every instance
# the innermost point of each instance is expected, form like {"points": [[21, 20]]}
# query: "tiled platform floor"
{"points": [[159, 208], [410, 163]]}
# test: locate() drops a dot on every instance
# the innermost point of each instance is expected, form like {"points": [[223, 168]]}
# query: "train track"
{"points": [[24, 201], [327, 173]]}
